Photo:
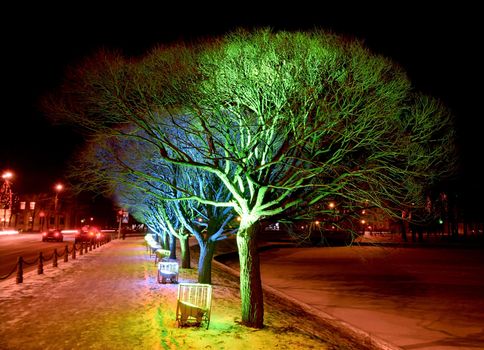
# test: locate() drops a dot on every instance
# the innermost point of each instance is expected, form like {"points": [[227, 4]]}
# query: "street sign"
{"points": [[125, 217]]}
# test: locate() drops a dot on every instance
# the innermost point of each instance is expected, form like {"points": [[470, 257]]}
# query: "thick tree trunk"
{"points": [[250, 279], [159, 238], [403, 230], [185, 252], [205, 262], [172, 247], [166, 241], [455, 230], [413, 230]]}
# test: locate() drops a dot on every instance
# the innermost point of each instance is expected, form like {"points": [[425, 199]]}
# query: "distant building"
{"points": [[39, 212]]}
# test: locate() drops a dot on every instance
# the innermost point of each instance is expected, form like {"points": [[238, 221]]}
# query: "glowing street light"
{"points": [[7, 175]]}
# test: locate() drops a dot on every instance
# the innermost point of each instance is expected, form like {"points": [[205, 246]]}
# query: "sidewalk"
{"points": [[110, 299]]}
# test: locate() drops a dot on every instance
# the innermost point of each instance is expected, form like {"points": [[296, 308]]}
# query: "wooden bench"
{"points": [[161, 255], [151, 244], [167, 271], [148, 240], [194, 303]]}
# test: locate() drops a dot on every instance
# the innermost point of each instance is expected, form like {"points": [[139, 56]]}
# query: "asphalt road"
{"points": [[414, 298], [28, 246]]}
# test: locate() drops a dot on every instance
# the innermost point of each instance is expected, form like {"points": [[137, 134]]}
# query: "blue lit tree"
{"points": [[123, 169], [159, 194]]}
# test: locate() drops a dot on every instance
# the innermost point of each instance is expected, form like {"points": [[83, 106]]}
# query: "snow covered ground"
{"points": [[110, 299]]}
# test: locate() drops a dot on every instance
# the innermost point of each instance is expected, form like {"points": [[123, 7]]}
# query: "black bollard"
{"points": [[54, 260], [40, 268], [66, 254], [74, 251], [20, 270]]}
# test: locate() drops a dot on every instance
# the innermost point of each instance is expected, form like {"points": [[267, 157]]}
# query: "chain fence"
{"points": [[77, 248]]}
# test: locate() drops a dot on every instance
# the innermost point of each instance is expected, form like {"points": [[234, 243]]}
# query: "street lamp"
{"points": [[120, 218], [41, 219], [58, 188], [7, 190]]}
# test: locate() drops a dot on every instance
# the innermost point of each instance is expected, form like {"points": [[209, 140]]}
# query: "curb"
{"points": [[345, 328]]}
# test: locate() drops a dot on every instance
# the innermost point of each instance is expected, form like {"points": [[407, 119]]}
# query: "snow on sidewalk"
{"points": [[91, 300], [110, 299]]}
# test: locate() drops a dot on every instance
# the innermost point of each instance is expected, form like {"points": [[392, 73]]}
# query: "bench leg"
{"points": [[162, 278]]}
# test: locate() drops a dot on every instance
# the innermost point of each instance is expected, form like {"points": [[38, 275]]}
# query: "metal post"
{"points": [[74, 251], [10, 204], [66, 254], [54, 260], [20, 270], [40, 268], [58, 188], [119, 227], [55, 211], [81, 250]]}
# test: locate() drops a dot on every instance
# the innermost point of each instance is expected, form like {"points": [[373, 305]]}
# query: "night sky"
{"points": [[437, 46]]}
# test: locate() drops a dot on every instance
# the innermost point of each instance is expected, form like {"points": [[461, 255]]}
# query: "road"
{"points": [[415, 298], [28, 246]]}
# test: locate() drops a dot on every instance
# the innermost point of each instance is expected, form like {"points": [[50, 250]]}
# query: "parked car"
{"points": [[52, 235], [100, 236], [87, 234]]}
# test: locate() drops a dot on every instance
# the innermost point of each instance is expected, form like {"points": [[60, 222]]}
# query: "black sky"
{"points": [[438, 46]]}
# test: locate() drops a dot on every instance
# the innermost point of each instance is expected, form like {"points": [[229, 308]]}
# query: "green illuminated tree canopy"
{"points": [[283, 120]]}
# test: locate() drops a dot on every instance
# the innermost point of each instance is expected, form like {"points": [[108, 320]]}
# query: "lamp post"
{"points": [[41, 221], [120, 218], [332, 206], [7, 190], [58, 188]]}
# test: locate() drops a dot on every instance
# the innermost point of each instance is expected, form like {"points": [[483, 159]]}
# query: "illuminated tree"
{"points": [[285, 121], [155, 193]]}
